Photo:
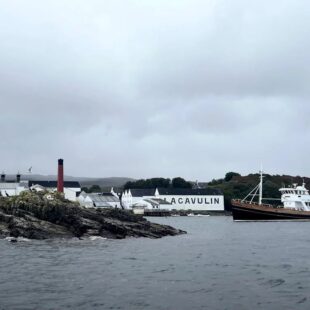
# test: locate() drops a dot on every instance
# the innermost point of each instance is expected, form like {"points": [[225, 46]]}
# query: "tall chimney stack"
{"points": [[18, 177], [3, 177], [60, 179]]}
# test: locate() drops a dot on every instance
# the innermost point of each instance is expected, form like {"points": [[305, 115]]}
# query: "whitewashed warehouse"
{"points": [[151, 203], [71, 188], [201, 199], [12, 188], [99, 200]]}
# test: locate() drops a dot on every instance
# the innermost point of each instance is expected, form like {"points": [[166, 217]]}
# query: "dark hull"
{"points": [[248, 212]]}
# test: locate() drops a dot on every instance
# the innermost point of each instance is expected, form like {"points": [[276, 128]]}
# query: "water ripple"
{"points": [[217, 265]]}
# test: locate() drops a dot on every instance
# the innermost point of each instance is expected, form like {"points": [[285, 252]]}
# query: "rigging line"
{"points": [[251, 192], [257, 189]]}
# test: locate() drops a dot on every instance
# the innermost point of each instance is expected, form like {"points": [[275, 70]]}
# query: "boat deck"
{"points": [[246, 210]]}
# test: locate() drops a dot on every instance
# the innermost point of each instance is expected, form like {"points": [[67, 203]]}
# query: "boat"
{"points": [[295, 205], [199, 215]]}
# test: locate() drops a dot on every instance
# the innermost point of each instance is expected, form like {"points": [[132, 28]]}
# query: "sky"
{"points": [[150, 88]]}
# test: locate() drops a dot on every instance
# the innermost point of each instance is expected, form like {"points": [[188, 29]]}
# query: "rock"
{"points": [[33, 216]]}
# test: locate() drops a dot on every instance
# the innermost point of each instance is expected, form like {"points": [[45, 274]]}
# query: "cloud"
{"points": [[155, 88]]}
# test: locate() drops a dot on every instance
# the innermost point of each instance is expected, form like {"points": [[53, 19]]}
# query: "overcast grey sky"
{"points": [[146, 88]]}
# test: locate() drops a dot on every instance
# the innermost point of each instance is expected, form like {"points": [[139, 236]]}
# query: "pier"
{"points": [[156, 212]]}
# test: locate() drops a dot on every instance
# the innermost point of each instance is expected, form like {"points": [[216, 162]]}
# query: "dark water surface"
{"points": [[217, 265]]}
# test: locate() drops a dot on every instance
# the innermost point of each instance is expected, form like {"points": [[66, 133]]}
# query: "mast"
{"points": [[261, 187]]}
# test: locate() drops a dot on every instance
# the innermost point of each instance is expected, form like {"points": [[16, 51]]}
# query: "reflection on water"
{"points": [[217, 265]]}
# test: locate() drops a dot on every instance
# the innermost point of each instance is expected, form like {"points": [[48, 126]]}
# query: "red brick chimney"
{"points": [[60, 179]]}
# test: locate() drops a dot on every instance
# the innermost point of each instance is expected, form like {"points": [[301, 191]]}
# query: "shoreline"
{"points": [[49, 216]]}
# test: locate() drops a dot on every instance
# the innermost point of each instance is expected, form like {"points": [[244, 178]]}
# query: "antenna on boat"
{"points": [[261, 186], [258, 188]]}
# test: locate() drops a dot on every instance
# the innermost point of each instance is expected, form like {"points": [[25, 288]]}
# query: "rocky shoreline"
{"points": [[45, 216]]}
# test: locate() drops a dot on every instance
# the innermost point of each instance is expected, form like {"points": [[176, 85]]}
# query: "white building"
{"points": [[12, 188], [71, 188], [99, 200], [152, 203], [200, 199]]}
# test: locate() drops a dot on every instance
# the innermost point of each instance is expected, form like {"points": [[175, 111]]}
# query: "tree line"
{"points": [[159, 182], [233, 185]]}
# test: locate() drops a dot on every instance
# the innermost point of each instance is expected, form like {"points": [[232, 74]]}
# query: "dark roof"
{"points": [[175, 191], [137, 192], [99, 199], [189, 191], [159, 201], [106, 194], [53, 184]]}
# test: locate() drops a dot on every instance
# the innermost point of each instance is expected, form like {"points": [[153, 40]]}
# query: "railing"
{"points": [[239, 201]]}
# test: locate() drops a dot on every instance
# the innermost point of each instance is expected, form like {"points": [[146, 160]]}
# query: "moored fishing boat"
{"points": [[295, 205]]}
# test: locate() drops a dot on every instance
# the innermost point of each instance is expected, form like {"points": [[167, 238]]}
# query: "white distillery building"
{"points": [[13, 188], [72, 189], [152, 203], [200, 199], [99, 200]]}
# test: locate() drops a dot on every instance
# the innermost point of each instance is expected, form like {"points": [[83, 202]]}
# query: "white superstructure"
{"points": [[296, 197]]}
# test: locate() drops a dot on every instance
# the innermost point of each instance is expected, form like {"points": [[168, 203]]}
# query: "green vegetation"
{"points": [[236, 186], [158, 182], [180, 183], [230, 175], [92, 189]]}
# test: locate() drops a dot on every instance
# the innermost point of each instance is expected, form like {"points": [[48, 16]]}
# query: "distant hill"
{"points": [[84, 181], [239, 186], [105, 182]]}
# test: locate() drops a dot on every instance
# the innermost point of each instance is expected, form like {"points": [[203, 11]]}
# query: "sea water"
{"points": [[218, 264]]}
